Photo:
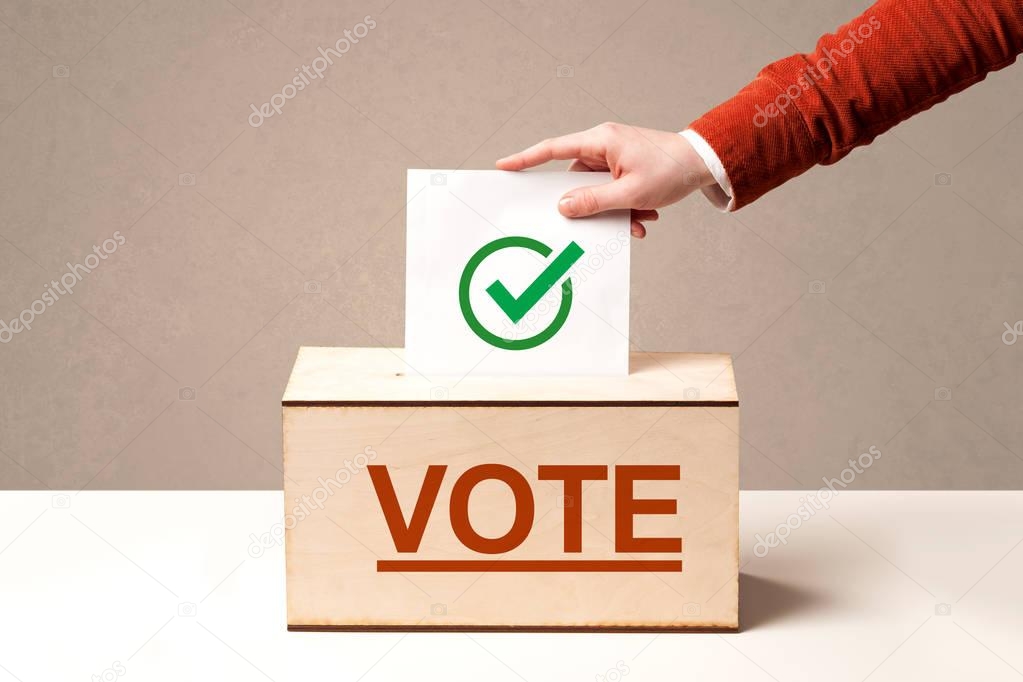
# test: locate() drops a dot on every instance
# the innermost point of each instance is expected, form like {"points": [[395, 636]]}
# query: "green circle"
{"points": [[473, 321]]}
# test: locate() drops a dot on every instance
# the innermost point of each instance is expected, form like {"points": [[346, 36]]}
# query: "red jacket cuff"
{"points": [[759, 144]]}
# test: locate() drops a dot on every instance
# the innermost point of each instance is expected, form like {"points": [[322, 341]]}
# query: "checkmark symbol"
{"points": [[516, 308]]}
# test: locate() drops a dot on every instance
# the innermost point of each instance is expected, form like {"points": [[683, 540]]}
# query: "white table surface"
{"points": [[91, 590]]}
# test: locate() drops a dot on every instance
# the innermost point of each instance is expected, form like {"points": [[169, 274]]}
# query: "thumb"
{"points": [[586, 201]]}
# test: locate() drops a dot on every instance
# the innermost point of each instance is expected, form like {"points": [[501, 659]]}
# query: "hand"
{"points": [[651, 169]]}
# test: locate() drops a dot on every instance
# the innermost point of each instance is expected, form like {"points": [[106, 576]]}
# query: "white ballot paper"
{"points": [[499, 283]]}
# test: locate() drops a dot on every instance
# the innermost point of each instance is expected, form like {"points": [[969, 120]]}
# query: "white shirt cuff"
{"points": [[720, 194]]}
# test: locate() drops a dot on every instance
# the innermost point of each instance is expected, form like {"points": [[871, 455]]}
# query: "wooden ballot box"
{"points": [[510, 503]]}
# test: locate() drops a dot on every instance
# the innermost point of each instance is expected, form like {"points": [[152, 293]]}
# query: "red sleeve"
{"points": [[899, 58]]}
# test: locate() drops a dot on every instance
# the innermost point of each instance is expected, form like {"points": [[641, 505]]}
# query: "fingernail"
{"points": [[566, 205]]}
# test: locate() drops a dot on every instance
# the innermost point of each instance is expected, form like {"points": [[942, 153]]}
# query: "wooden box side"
{"points": [[334, 549]]}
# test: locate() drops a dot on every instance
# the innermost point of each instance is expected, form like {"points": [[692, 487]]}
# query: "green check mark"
{"points": [[516, 308]]}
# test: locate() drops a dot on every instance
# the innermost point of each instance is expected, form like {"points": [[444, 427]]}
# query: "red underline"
{"points": [[529, 566]]}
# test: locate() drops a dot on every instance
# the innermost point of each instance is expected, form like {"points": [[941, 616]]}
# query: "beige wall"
{"points": [[208, 292]]}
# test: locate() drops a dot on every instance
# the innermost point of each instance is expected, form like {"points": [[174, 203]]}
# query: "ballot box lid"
{"points": [[380, 376]]}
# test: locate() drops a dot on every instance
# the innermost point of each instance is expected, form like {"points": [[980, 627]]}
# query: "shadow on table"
{"points": [[763, 601]]}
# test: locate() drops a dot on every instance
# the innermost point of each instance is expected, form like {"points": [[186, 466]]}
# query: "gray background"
{"points": [[209, 292]]}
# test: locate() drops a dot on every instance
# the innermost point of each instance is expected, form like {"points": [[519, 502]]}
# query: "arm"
{"points": [[899, 58]]}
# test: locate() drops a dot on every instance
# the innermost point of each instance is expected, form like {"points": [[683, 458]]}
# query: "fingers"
{"points": [[639, 216], [587, 201], [564, 147]]}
